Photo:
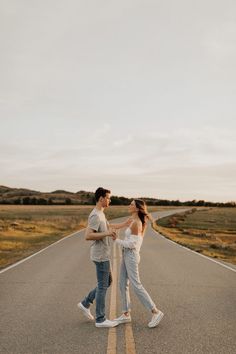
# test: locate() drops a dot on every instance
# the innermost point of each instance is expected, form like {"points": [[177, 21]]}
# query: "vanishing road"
{"points": [[38, 298]]}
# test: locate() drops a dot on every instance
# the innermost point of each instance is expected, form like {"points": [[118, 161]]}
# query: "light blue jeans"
{"points": [[129, 273], [104, 280]]}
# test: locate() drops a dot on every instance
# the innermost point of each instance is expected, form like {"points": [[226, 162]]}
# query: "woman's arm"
{"points": [[122, 224], [133, 239], [131, 243]]}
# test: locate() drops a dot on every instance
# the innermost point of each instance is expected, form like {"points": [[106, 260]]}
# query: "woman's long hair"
{"points": [[143, 214]]}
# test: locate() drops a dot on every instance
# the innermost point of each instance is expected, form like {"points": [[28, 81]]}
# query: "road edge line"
{"points": [[43, 249], [35, 254], [199, 254]]}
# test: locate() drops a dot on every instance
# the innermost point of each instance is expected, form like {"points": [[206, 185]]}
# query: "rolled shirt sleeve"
{"points": [[94, 222]]}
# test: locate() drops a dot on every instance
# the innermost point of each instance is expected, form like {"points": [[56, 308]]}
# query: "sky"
{"points": [[135, 96]]}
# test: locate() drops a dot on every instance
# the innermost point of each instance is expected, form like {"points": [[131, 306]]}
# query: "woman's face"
{"points": [[132, 207]]}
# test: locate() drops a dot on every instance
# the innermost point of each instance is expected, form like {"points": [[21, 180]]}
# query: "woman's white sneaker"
{"points": [[123, 319], [85, 311], [156, 318], [106, 323]]}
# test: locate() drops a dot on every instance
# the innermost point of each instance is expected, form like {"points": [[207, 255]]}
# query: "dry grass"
{"points": [[210, 231], [25, 229]]}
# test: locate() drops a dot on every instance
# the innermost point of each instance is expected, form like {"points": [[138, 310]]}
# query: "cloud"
{"points": [[220, 45], [179, 148], [99, 132], [123, 142], [92, 108]]}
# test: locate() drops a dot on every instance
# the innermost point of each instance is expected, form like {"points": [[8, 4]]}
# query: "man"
{"points": [[99, 232]]}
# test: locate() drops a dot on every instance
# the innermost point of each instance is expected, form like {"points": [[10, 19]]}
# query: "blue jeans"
{"points": [[129, 273], [104, 280]]}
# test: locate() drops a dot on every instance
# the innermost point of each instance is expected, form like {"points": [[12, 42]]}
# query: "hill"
{"points": [[25, 196]]}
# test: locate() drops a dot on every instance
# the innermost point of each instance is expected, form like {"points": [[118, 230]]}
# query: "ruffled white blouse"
{"points": [[131, 241]]}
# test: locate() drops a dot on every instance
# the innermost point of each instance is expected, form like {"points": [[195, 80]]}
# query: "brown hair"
{"points": [[101, 192], [143, 214]]}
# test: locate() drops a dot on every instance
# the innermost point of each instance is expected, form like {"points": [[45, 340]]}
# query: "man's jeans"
{"points": [[104, 279]]}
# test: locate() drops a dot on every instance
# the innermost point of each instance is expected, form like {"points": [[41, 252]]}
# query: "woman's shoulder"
{"points": [[136, 227]]}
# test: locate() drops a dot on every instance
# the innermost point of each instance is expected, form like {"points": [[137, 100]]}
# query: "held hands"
{"points": [[113, 231], [113, 234]]}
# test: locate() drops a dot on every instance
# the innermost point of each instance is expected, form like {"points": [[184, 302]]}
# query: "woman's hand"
{"points": [[112, 233]]}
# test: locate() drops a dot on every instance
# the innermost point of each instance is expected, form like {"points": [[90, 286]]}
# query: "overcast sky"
{"points": [[135, 96]]}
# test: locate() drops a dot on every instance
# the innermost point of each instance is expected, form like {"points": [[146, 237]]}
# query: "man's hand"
{"points": [[113, 234]]}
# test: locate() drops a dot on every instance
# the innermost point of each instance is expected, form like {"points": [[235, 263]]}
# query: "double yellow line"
{"points": [[112, 337]]}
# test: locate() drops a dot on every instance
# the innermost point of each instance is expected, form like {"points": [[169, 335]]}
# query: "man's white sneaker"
{"points": [[156, 318], [85, 311], [123, 319], [106, 323]]}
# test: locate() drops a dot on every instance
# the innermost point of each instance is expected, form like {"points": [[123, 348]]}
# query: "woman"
{"points": [[129, 271]]}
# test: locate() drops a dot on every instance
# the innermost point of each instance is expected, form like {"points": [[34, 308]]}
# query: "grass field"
{"points": [[210, 231], [25, 229]]}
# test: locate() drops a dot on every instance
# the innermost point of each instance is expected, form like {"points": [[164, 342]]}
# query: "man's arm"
{"points": [[92, 235]]}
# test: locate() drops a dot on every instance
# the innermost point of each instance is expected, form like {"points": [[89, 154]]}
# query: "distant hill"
{"points": [[24, 196]]}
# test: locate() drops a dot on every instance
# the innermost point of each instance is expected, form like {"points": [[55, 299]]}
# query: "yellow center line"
{"points": [[129, 339], [112, 341], [112, 338]]}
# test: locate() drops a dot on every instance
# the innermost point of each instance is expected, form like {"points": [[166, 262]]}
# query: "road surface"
{"points": [[38, 298]]}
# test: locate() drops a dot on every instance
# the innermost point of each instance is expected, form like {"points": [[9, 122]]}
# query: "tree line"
{"points": [[115, 200]]}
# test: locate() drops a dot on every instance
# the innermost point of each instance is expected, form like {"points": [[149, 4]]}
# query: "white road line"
{"points": [[199, 254], [35, 254], [42, 250]]}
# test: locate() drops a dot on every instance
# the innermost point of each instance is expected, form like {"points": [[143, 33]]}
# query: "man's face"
{"points": [[106, 200]]}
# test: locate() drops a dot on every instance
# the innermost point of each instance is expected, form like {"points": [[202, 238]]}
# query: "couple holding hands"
{"points": [[100, 232]]}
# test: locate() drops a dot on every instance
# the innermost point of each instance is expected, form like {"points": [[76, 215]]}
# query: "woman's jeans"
{"points": [[129, 272], [104, 279]]}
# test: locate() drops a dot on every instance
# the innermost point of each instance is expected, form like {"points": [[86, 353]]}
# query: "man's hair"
{"points": [[101, 192]]}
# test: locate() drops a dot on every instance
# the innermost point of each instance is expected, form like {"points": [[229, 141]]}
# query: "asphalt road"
{"points": [[38, 312]]}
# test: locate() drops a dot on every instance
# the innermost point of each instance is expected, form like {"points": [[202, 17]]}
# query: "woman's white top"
{"points": [[131, 241]]}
